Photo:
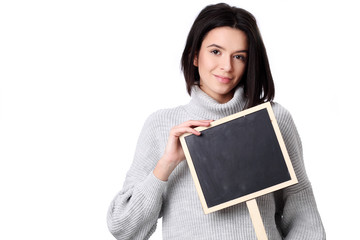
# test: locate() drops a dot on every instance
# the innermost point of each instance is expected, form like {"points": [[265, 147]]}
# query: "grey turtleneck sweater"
{"points": [[290, 213]]}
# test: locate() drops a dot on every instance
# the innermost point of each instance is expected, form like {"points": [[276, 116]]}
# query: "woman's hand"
{"points": [[174, 153]]}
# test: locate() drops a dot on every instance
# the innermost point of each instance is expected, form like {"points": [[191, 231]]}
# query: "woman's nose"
{"points": [[226, 64]]}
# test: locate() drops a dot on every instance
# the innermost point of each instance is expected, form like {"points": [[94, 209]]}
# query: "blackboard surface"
{"points": [[238, 157]]}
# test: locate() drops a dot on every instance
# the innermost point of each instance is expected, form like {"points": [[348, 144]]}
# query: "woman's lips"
{"points": [[222, 79]]}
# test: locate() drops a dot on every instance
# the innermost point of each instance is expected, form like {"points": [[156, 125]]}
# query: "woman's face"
{"points": [[222, 62]]}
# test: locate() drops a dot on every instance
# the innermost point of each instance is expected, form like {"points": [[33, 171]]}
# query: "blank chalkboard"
{"points": [[238, 158]]}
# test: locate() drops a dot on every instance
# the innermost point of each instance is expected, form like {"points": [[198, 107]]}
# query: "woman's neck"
{"points": [[203, 106]]}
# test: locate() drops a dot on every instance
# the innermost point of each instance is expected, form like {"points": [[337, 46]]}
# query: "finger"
{"points": [[177, 132], [197, 123]]}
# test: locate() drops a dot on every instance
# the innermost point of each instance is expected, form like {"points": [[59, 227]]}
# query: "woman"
{"points": [[226, 70]]}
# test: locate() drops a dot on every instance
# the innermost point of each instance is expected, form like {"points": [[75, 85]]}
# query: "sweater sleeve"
{"points": [[134, 212], [299, 216]]}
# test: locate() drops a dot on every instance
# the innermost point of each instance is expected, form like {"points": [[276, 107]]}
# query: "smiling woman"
{"points": [[226, 70], [221, 62], [237, 29]]}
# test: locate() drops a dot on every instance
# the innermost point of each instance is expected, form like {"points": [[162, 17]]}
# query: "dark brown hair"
{"points": [[257, 80]]}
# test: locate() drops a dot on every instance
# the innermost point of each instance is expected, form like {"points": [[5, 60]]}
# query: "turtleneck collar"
{"points": [[204, 107]]}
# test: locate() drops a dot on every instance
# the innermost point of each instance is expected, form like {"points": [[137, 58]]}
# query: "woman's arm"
{"points": [[135, 209], [134, 212], [299, 216], [174, 153]]}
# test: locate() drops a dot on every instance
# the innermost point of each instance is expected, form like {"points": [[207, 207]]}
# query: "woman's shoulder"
{"points": [[281, 113], [284, 119], [166, 115]]}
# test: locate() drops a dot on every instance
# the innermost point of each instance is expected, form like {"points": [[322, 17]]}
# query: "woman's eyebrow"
{"points": [[218, 46]]}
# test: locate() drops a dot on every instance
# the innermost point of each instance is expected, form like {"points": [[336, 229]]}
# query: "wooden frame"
{"points": [[293, 179]]}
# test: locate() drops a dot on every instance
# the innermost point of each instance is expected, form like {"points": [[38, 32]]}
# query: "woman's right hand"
{"points": [[174, 153]]}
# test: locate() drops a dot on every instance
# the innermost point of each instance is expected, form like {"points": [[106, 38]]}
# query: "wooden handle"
{"points": [[256, 219]]}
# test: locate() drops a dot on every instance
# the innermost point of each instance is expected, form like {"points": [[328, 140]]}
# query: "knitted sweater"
{"points": [[290, 213]]}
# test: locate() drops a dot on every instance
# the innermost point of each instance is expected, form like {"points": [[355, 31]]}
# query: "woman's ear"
{"points": [[195, 62]]}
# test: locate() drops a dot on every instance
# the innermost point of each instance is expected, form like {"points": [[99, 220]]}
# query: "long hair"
{"points": [[257, 80]]}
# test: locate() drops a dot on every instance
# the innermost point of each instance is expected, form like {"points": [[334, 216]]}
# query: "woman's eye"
{"points": [[216, 52], [240, 57]]}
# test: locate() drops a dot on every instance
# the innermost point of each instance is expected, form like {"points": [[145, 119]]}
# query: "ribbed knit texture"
{"points": [[290, 213]]}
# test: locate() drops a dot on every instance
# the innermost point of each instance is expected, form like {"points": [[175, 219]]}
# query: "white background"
{"points": [[78, 79]]}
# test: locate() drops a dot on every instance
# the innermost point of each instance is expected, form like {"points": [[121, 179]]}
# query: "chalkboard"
{"points": [[238, 158]]}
